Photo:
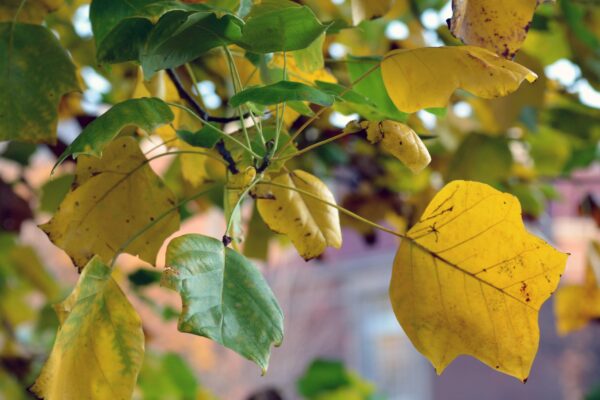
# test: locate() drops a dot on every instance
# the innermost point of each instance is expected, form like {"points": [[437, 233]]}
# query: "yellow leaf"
{"points": [[400, 141], [427, 77], [499, 26], [471, 280], [310, 224], [112, 199], [99, 347], [576, 305], [370, 9]]}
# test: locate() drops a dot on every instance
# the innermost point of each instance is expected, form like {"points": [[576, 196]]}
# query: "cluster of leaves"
{"points": [[467, 278]]}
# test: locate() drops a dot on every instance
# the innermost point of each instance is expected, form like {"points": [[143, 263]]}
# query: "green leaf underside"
{"points": [[224, 297], [146, 113], [35, 72], [206, 137], [99, 330], [280, 26], [280, 92]]}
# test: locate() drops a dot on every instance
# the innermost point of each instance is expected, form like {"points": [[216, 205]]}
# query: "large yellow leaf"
{"points": [[400, 141], [427, 77], [309, 223], [499, 26], [370, 9], [576, 305], [471, 280], [99, 347], [113, 199]]}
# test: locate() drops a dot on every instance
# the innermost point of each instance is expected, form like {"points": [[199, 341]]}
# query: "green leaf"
{"points": [[132, 36], [146, 113], [225, 298], [337, 90], [276, 25], [100, 341], [35, 72], [373, 89], [107, 15], [167, 376], [323, 376], [481, 158], [144, 277], [174, 39], [206, 137], [54, 192], [280, 92]]}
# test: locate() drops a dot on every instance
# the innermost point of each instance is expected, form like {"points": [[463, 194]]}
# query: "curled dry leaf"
{"points": [[400, 141], [469, 279], [122, 186], [413, 82], [310, 224], [100, 341], [499, 26]]}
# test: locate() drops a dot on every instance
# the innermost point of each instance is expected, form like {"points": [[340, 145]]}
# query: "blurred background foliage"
{"points": [[521, 144]]}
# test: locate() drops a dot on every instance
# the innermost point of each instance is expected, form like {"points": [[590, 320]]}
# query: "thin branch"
{"points": [[323, 109], [340, 208], [194, 104]]}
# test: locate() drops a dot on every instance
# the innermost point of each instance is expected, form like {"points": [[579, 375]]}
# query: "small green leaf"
{"points": [[35, 72], [225, 298], [144, 277], [279, 92], [146, 113], [277, 25], [206, 137]]}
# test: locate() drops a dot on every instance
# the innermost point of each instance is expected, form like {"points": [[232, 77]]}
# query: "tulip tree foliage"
{"points": [[468, 279]]}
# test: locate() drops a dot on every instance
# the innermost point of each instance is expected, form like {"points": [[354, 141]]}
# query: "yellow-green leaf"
{"points": [[470, 279], [31, 11], [576, 305], [369, 9], [414, 79], [99, 347], [400, 141], [113, 199], [299, 214], [499, 26], [35, 72]]}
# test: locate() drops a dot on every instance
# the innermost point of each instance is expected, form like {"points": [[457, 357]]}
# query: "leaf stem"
{"points": [[149, 226], [323, 109], [339, 208], [315, 145], [220, 132]]}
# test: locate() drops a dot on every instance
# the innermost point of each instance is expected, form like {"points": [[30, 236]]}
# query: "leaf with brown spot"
{"points": [[414, 80], [112, 199], [310, 224], [499, 26], [469, 279]]}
